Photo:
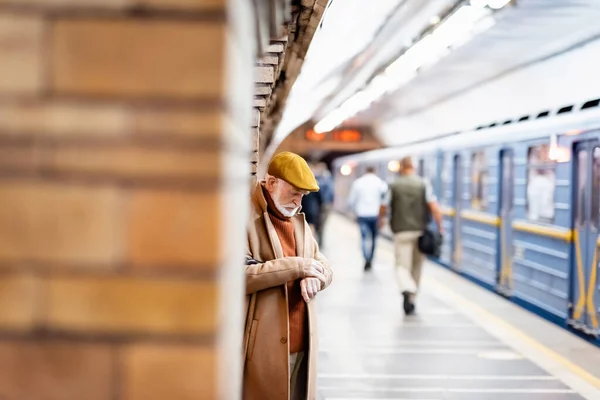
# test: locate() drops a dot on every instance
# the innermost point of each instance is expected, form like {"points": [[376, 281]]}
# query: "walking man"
{"points": [[366, 200], [412, 203], [284, 272]]}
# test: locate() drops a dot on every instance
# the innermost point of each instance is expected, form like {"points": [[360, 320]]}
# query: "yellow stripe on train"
{"points": [[484, 218], [553, 232]]}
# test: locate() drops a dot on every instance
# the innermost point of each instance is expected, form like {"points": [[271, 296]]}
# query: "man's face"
{"points": [[286, 197]]}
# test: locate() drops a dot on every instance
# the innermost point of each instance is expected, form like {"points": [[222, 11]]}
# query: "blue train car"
{"points": [[521, 205]]}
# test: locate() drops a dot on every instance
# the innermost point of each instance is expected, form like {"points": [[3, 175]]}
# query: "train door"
{"points": [[585, 298], [457, 192], [506, 214]]}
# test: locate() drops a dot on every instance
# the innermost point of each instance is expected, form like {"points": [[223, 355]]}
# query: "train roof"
{"points": [[521, 131]]}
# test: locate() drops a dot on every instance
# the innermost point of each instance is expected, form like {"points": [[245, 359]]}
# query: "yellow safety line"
{"points": [[577, 370], [510, 267], [508, 260], [580, 278], [590, 295]]}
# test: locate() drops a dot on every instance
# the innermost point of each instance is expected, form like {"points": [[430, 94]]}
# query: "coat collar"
{"points": [[258, 197]]}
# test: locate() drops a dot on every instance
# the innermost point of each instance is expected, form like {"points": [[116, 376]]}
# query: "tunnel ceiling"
{"points": [[538, 54]]}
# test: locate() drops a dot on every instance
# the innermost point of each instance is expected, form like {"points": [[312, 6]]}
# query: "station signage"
{"points": [[341, 135]]}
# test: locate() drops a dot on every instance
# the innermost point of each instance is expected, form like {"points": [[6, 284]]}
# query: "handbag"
{"points": [[430, 242]]}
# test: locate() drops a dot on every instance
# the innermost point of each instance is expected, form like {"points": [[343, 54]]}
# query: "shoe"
{"points": [[367, 265], [408, 305]]}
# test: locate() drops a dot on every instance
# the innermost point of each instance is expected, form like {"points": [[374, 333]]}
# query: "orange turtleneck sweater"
{"points": [[296, 305]]}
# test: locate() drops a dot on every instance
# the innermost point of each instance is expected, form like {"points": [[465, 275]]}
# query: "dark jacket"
{"points": [[311, 207]]}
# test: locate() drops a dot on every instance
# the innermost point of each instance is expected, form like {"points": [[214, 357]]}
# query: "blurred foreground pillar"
{"points": [[124, 150]]}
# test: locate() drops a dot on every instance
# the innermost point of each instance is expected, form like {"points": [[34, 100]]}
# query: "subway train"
{"points": [[521, 205]]}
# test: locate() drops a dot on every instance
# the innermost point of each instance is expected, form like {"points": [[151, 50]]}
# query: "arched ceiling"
{"points": [[539, 54]]}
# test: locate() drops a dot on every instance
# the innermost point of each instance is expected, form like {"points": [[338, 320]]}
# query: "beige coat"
{"points": [[266, 348]]}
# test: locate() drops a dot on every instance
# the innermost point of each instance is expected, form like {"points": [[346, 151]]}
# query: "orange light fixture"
{"points": [[347, 135], [314, 136]]}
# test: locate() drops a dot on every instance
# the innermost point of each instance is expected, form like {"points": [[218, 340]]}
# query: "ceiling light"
{"points": [[346, 170], [394, 166], [451, 33]]}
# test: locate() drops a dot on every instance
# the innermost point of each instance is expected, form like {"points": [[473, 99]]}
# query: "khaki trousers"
{"points": [[297, 376], [409, 261]]}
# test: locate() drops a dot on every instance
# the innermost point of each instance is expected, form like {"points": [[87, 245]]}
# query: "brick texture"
{"points": [[60, 224], [183, 4], [112, 58], [174, 230], [131, 306], [55, 371], [133, 161], [255, 139], [21, 53], [169, 372], [19, 300], [79, 120], [124, 157], [68, 3], [63, 119], [264, 75], [184, 123], [191, 5]]}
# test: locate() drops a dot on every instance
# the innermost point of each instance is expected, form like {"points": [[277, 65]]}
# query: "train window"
{"points": [[432, 175], [541, 183], [479, 175], [445, 181], [428, 170]]}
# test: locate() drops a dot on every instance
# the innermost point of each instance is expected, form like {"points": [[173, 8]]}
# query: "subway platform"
{"points": [[464, 343]]}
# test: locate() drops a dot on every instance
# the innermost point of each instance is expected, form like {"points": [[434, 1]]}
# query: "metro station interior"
{"points": [[138, 141]]}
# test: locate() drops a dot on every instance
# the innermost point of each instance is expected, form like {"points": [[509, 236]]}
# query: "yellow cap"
{"points": [[294, 170]]}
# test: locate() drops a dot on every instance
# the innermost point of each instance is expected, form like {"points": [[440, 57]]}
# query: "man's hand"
{"points": [[314, 269], [382, 216], [310, 287]]}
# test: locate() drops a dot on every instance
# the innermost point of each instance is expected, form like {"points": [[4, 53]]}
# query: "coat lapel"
{"points": [[273, 238], [299, 235]]}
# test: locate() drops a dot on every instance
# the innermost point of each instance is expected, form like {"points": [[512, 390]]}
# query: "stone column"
{"points": [[123, 196]]}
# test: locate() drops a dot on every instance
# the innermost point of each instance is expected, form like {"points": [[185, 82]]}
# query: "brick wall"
{"points": [[299, 33], [123, 180]]}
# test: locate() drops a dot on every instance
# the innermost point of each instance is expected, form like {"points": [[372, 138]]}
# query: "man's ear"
{"points": [[270, 183]]}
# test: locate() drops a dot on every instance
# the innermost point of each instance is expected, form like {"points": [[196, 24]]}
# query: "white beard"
{"points": [[280, 207], [284, 211]]}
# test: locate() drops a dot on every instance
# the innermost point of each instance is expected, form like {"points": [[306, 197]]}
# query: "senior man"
{"points": [[284, 272]]}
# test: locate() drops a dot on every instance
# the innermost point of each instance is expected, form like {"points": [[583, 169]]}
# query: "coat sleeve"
{"points": [[265, 275], [324, 261], [328, 272]]}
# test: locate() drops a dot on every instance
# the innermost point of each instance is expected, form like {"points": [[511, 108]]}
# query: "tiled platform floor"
{"points": [[370, 350]]}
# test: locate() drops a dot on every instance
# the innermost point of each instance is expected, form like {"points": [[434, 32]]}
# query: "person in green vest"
{"points": [[412, 203]]}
